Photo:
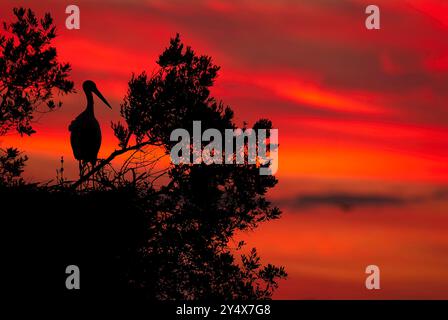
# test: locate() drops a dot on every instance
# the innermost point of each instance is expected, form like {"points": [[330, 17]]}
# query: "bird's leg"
{"points": [[93, 176], [80, 168]]}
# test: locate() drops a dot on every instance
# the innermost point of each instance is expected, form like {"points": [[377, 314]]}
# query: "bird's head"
{"points": [[90, 86]]}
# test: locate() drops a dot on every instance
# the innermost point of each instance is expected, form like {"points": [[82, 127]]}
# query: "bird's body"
{"points": [[85, 137], [85, 131]]}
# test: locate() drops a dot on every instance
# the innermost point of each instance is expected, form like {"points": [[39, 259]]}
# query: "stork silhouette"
{"points": [[85, 131]]}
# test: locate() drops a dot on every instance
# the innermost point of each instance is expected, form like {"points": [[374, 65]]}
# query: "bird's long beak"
{"points": [[98, 93]]}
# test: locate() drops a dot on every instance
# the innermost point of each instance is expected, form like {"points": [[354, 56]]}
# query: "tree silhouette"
{"points": [[195, 215], [29, 70], [134, 238]]}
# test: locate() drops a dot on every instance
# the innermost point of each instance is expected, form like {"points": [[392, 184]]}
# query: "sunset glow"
{"points": [[358, 112]]}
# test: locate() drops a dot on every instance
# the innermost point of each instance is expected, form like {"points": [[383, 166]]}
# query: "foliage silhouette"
{"points": [[134, 239], [12, 165], [29, 70]]}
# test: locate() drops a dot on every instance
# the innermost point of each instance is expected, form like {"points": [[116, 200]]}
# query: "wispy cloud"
{"points": [[348, 201]]}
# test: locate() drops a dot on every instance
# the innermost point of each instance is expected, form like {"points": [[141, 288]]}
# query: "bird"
{"points": [[85, 130]]}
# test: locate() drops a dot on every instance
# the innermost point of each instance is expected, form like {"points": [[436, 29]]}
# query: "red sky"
{"points": [[362, 115]]}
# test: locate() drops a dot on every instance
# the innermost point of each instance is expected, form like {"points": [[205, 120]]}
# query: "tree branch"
{"points": [[111, 157]]}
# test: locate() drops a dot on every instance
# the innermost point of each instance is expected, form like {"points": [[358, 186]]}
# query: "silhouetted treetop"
{"points": [[174, 96], [29, 70]]}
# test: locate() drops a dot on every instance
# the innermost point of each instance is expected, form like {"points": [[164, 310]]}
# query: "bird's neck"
{"points": [[89, 108]]}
